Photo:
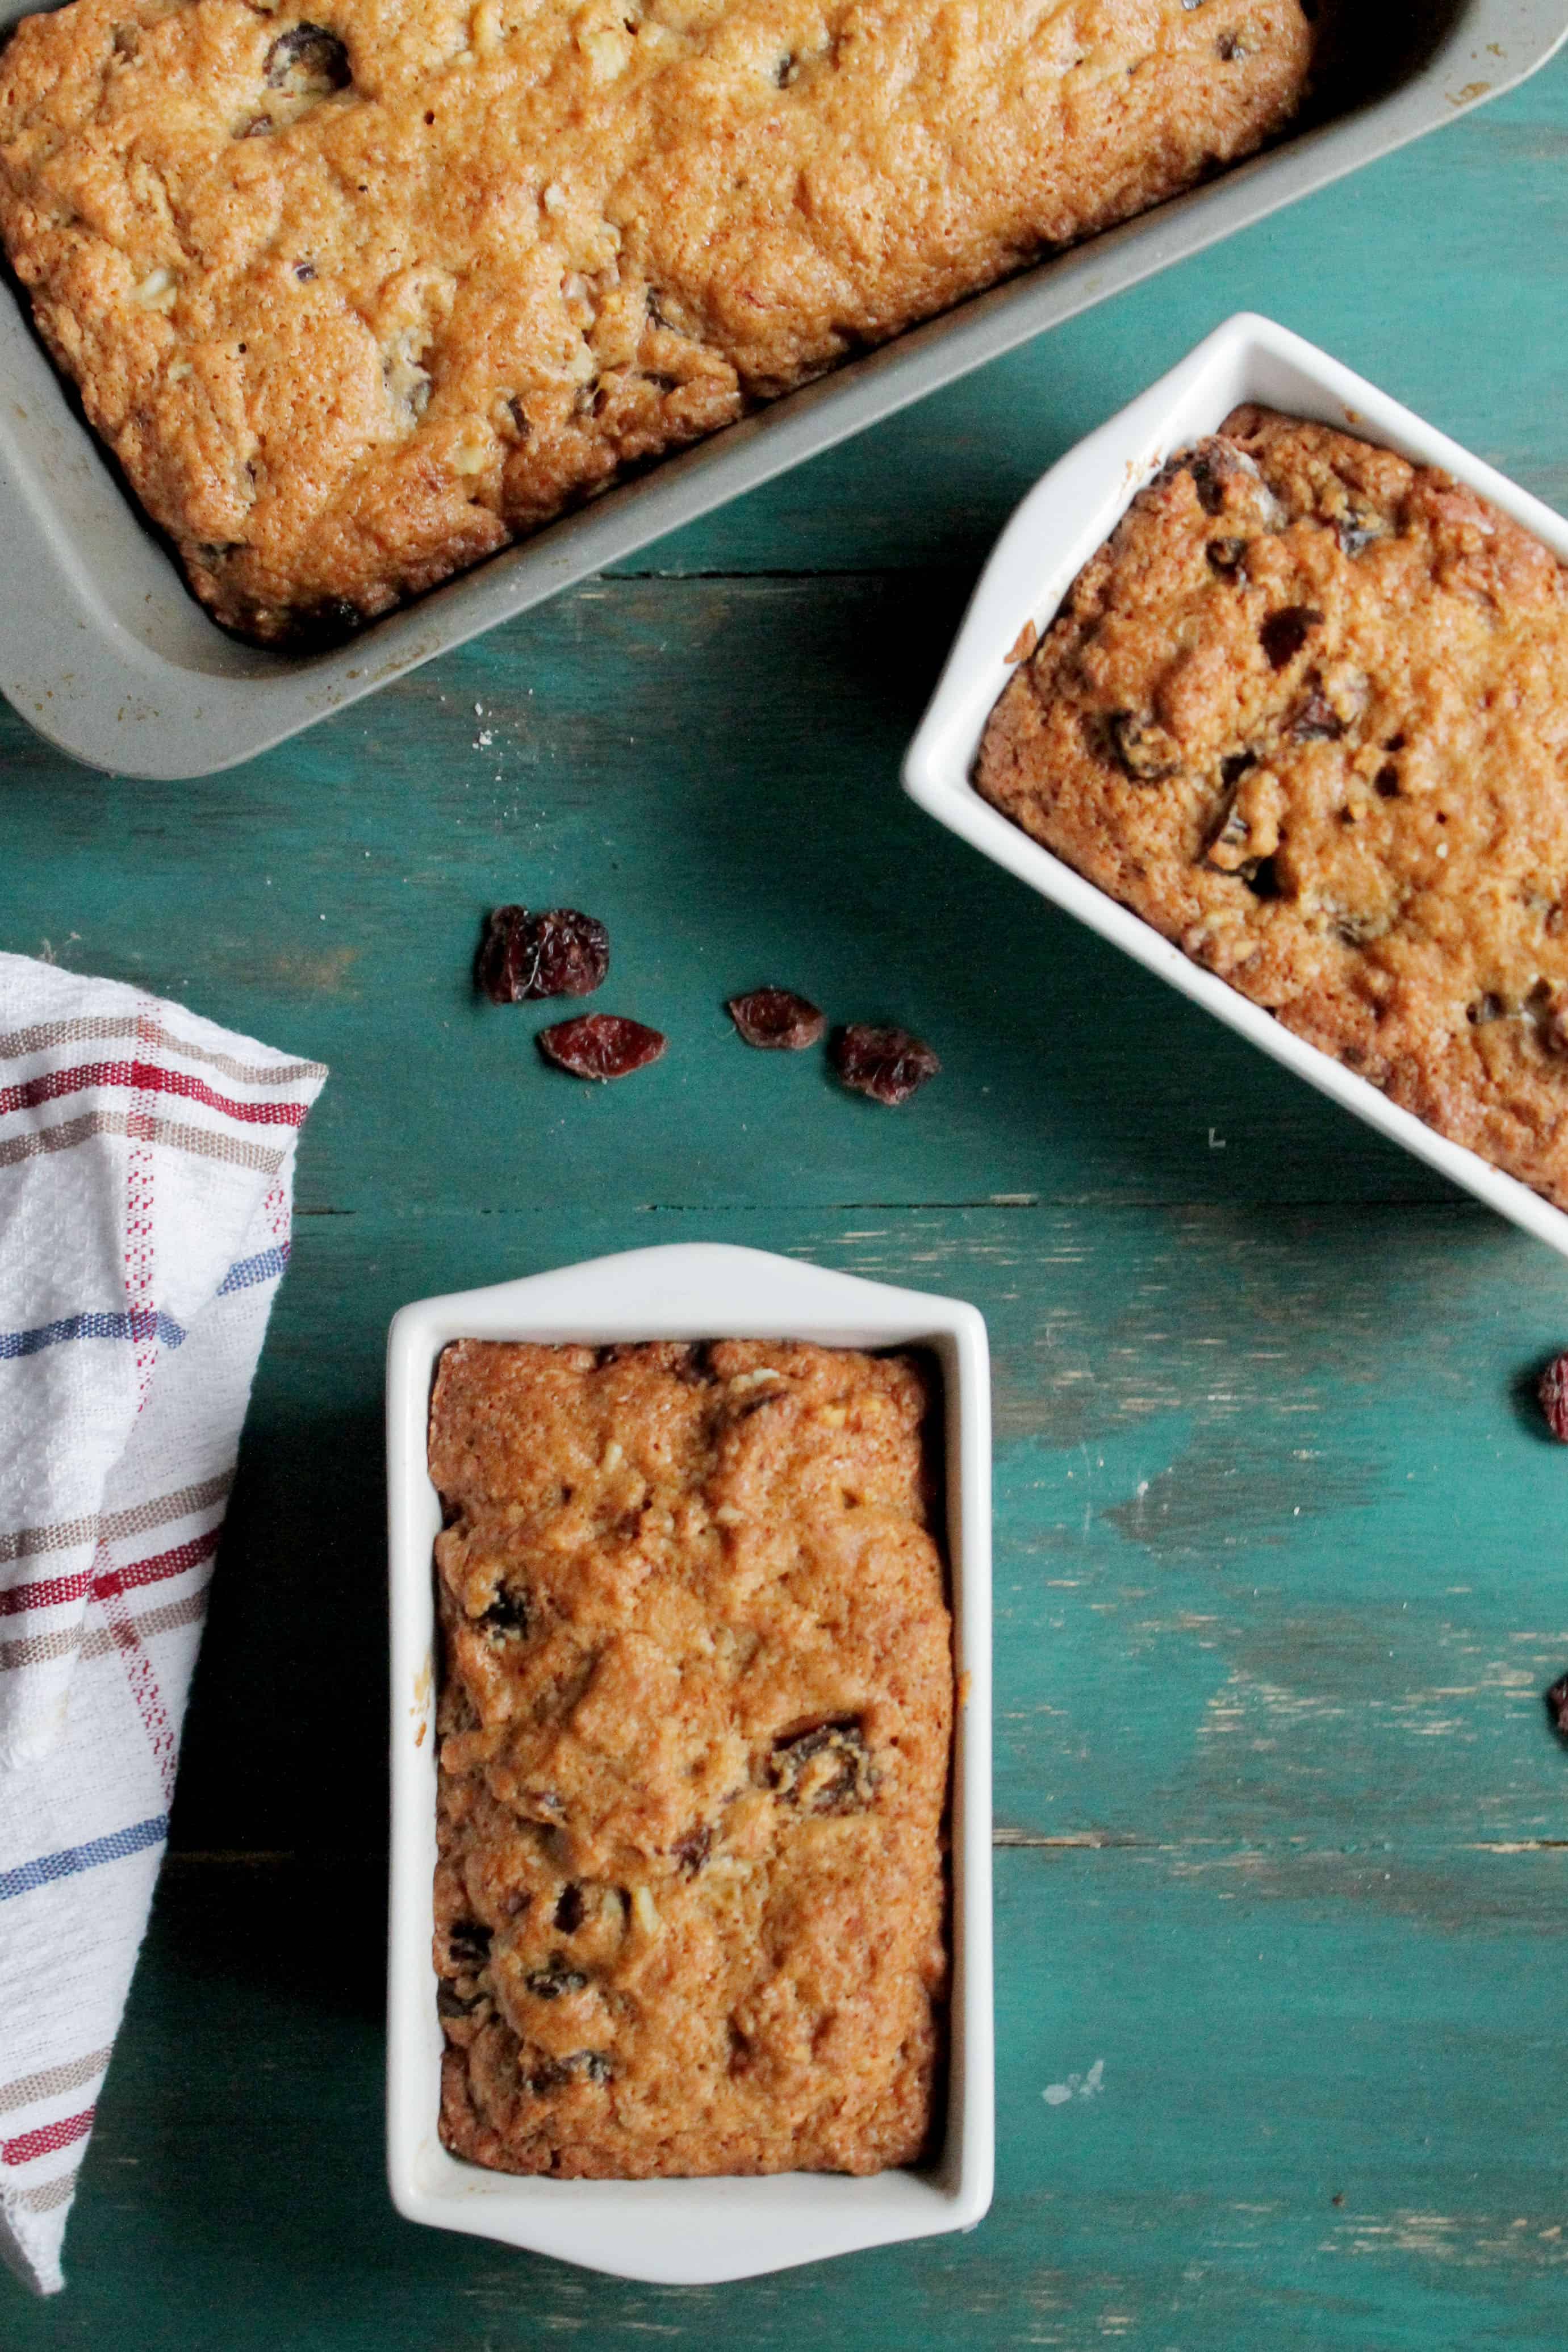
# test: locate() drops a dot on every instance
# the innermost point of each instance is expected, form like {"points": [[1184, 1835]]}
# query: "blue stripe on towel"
{"points": [[141, 1323], [72, 1858], [249, 1270]]}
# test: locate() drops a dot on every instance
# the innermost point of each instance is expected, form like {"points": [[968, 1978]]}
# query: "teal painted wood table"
{"points": [[1283, 1832]]}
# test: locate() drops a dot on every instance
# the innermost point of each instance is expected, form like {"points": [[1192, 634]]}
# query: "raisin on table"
{"points": [[1557, 1705], [523, 957], [776, 1020], [600, 1045], [888, 1065], [1552, 1391]]}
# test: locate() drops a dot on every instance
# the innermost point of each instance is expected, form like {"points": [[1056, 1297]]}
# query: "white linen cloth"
{"points": [[146, 1186]]}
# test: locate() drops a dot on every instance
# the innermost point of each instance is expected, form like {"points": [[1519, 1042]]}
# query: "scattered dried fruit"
{"points": [[550, 1982], [825, 1771], [692, 1850], [308, 61], [468, 1942], [1552, 1391], [600, 1045], [507, 1613], [1141, 748], [1212, 464], [1356, 532], [584, 2066], [1316, 721], [1557, 1705], [522, 957], [888, 1065], [1283, 634], [777, 1019]]}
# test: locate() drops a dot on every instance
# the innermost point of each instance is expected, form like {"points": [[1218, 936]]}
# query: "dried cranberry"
{"points": [[1283, 634], [692, 1850], [1209, 473], [1213, 463], [558, 954], [848, 1781], [548, 1983], [554, 2074], [1552, 1391], [1316, 721], [468, 1941], [308, 61], [1557, 1705], [888, 1065], [600, 1045], [1141, 748], [1355, 530], [507, 1613], [777, 1019]]}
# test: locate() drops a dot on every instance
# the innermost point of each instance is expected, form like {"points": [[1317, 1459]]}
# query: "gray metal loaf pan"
{"points": [[104, 650]]}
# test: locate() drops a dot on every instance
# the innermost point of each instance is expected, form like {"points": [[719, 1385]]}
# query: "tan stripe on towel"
{"points": [[41, 1648], [52, 2082], [42, 1035], [207, 1143], [47, 2193], [138, 1519]]}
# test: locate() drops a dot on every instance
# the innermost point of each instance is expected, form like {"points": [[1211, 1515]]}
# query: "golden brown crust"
{"points": [[1307, 713], [695, 1721], [352, 312]]}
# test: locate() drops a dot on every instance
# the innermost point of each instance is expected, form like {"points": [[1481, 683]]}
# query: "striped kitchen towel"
{"points": [[146, 1178]]}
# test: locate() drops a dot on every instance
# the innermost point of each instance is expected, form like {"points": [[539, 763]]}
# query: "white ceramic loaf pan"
{"points": [[685, 2232], [1051, 536], [104, 650]]}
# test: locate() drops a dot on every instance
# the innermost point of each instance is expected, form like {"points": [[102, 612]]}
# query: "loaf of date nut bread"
{"points": [[695, 1721], [1307, 713], [355, 298]]}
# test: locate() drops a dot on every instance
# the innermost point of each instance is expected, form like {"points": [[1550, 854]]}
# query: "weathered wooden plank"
{"points": [[1235, 2060], [1279, 1541], [712, 766]]}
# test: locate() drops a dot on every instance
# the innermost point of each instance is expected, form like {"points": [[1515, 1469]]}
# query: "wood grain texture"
{"points": [[1282, 1832]]}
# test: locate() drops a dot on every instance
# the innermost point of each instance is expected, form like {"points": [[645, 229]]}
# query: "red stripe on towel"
{"points": [[52, 1591], [48, 2139], [144, 1077]]}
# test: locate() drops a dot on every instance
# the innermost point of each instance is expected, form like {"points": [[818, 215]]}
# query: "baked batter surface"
{"points": [[1307, 713], [358, 298], [690, 1906]]}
